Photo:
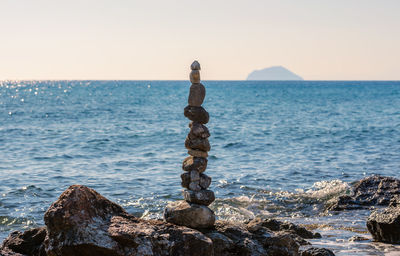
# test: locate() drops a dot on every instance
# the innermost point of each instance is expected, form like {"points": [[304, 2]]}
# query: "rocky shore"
{"points": [[83, 222]]}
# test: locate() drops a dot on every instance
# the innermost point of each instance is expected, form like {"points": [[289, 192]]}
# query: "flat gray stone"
{"points": [[203, 197]]}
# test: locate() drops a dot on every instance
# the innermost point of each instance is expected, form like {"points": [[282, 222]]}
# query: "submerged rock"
{"points": [[384, 225], [370, 191]]}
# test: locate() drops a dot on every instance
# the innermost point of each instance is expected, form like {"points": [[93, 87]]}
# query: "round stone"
{"points": [[194, 77], [197, 143], [194, 164], [197, 94], [203, 197], [189, 215], [197, 153], [198, 130], [195, 65], [196, 114]]}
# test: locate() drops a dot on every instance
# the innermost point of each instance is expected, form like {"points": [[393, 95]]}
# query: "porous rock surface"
{"points": [[370, 191], [384, 225], [82, 222]]}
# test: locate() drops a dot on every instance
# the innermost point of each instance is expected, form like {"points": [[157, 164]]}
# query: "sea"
{"points": [[279, 149]]}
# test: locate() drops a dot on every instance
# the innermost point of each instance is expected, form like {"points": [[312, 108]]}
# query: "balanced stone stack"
{"points": [[194, 211]]}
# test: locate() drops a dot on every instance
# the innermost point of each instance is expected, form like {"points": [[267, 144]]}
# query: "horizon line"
{"points": [[210, 80]]}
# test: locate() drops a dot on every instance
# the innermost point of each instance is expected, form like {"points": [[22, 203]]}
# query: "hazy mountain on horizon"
{"points": [[273, 73]]}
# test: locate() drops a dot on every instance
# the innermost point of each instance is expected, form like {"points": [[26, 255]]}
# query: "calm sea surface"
{"points": [[279, 149]]}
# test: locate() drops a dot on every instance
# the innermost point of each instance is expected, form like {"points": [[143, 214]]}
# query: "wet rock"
{"points": [[197, 153], [194, 164], [189, 215], [29, 242], [384, 225], [198, 130], [196, 114], [77, 223], [370, 191], [237, 239], [317, 252], [205, 181], [276, 225], [203, 197], [195, 65], [197, 143], [194, 78]]}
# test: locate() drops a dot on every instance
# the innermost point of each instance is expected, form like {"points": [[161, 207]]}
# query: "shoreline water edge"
{"points": [[82, 222]]}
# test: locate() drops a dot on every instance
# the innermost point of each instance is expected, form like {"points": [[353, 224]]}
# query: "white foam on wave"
{"points": [[326, 190]]}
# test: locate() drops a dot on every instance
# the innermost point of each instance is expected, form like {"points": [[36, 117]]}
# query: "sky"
{"points": [[158, 39]]}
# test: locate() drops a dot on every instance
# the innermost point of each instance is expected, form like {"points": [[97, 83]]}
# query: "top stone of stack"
{"points": [[195, 65]]}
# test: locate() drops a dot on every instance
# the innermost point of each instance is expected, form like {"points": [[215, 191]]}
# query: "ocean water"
{"points": [[279, 149]]}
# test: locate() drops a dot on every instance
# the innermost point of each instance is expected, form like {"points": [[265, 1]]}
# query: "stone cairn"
{"points": [[193, 212]]}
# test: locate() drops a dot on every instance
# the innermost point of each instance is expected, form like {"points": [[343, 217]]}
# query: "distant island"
{"points": [[273, 73]]}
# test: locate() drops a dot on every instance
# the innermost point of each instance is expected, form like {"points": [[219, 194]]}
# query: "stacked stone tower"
{"points": [[194, 211]]}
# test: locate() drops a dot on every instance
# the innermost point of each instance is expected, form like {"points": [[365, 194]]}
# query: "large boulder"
{"points": [[82, 222], [384, 225], [370, 191]]}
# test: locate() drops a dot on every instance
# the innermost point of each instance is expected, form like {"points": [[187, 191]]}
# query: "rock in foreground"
{"points": [[384, 225], [82, 222]]}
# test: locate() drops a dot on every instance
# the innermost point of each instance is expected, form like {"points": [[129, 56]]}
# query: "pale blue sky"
{"points": [[121, 39]]}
